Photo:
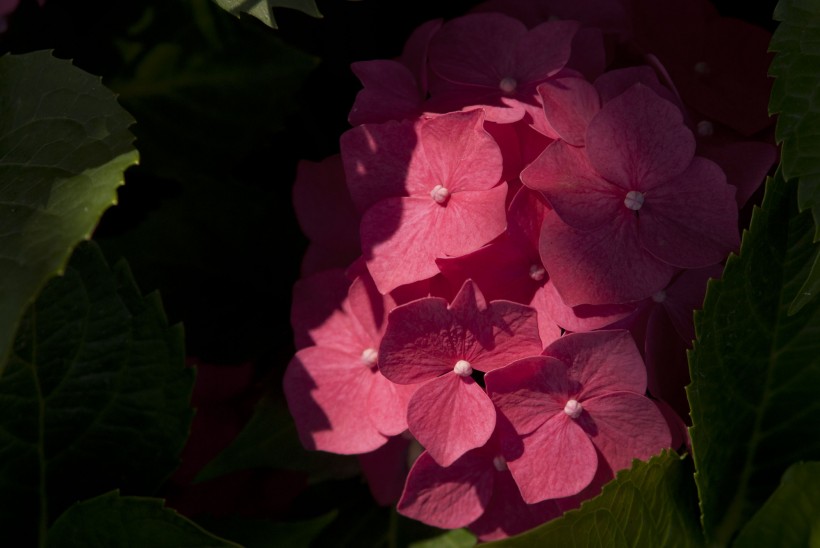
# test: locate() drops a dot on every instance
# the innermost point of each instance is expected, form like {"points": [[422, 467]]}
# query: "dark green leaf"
{"points": [[810, 288], [263, 9], [64, 145], [207, 89], [457, 538], [794, 97], [651, 505], [270, 440], [755, 369], [791, 516], [266, 534], [95, 396], [113, 521]]}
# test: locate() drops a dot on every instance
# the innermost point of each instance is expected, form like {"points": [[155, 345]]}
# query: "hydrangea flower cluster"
{"points": [[505, 256]]}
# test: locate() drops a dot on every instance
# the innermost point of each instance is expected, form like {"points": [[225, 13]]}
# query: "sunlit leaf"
{"points": [[64, 145]]}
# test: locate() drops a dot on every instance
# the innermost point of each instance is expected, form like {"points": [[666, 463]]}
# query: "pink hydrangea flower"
{"points": [[582, 400], [476, 490], [492, 61], [427, 189], [339, 400], [634, 203], [394, 89], [437, 347]]}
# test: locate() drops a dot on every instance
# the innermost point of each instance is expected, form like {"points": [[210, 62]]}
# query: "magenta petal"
{"points": [[468, 49], [316, 311], [448, 497], [745, 164], [558, 460], [390, 93], [615, 82], [369, 307], [601, 361], [544, 50], [327, 394], [569, 104], [639, 139], [584, 317], [530, 391], [386, 469], [449, 416], [414, 54], [626, 426], [507, 514], [690, 221], [602, 266], [576, 192], [376, 160]]}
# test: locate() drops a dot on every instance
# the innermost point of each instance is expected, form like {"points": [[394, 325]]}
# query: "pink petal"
{"points": [[494, 334], [569, 104], [530, 391], [601, 362], [626, 426], [548, 329], [390, 93], [558, 460], [449, 416], [388, 403], [581, 197], [639, 139], [460, 154], [369, 307], [448, 497], [685, 295], [576, 260], [410, 351], [327, 394], [376, 159], [690, 221], [470, 220]]}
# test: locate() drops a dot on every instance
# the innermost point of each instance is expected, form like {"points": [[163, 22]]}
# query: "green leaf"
{"points": [[64, 145], [794, 97], [810, 288], [95, 397], [114, 521], [650, 505], [263, 9], [253, 533], [791, 516], [457, 538], [207, 89], [755, 369], [270, 440]]}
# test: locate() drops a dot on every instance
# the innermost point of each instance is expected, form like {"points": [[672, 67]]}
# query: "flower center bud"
{"points": [[634, 200], [573, 409], [705, 128], [370, 356], [508, 85], [702, 68], [499, 463], [659, 297], [463, 368], [439, 194], [537, 272]]}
